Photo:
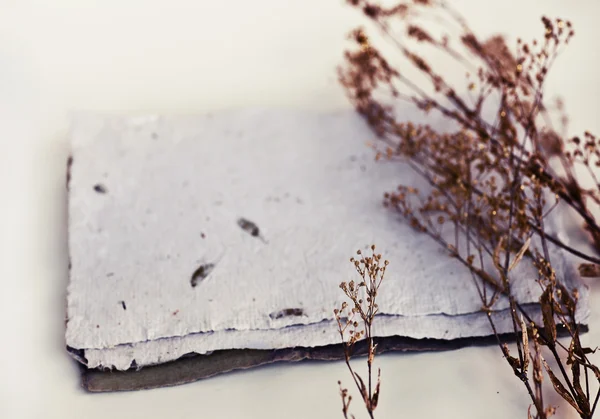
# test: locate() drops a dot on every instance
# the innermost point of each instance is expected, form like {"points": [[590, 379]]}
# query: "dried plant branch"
{"points": [[355, 322], [494, 181]]}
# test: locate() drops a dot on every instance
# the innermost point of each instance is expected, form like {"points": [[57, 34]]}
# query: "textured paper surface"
{"points": [[153, 198]]}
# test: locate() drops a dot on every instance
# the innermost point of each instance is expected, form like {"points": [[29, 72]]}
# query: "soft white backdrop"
{"points": [[192, 56]]}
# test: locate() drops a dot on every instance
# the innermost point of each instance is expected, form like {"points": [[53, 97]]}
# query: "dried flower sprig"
{"points": [[493, 182], [520, 131], [355, 322]]}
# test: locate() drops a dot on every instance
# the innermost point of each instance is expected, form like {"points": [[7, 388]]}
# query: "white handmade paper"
{"points": [[154, 198]]}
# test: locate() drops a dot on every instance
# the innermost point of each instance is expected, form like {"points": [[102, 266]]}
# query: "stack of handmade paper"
{"points": [[200, 235]]}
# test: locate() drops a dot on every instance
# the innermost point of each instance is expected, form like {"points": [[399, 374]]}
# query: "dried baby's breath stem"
{"points": [[494, 181], [355, 322]]}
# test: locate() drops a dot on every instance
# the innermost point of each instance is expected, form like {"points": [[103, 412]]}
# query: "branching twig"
{"points": [[355, 322]]}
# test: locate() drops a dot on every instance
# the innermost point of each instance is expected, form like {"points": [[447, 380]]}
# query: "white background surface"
{"points": [[193, 56]]}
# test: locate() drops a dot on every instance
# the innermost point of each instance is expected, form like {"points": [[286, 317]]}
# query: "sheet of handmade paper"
{"points": [[244, 221]]}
